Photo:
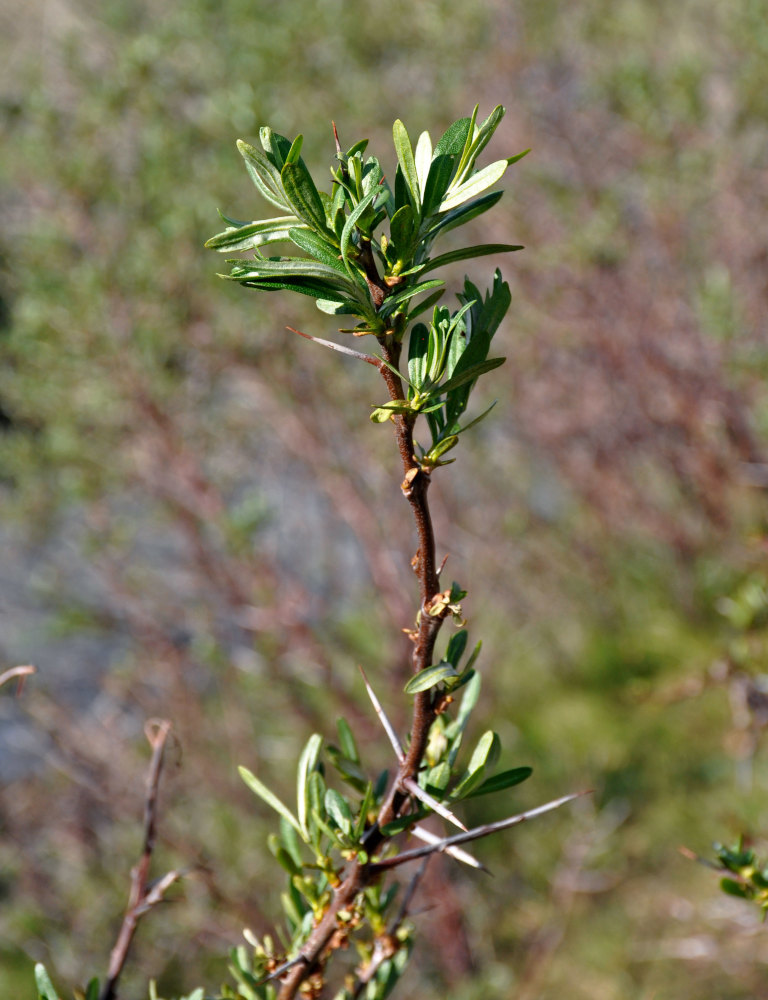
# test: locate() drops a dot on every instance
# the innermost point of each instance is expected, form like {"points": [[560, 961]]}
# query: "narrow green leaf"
{"points": [[465, 160], [339, 810], [311, 243], [339, 307], [486, 752], [426, 305], [472, 423], [465, 213], [442, 446], [264, 174], [474, 185], [452, 141], [317, 789], [290, 841], [315, 289], [349, 229], [518, 156], [254, 234], [276, 146], [456, 646], [92, 990], [480, 140], [734, 888], [401, 230], [295, 267], [293, 914], [307, 764], [44, 984], [430, 677], [465, 253], [260, 789], [471, 695], [347, 740], [471, 373], [284, 859], [372, 175], [294, 153], [234, 223], [393, 302], [505, 779], [437, 184], [417, 355], [488, 127], [403, 822], [407, 163], [423, 160], [366, 806], [350, 771], [323, 827], [437, 778], [468, 702], [304, 197]]}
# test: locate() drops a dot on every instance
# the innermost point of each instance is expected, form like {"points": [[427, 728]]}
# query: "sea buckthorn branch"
{"points": [[367, 252]]}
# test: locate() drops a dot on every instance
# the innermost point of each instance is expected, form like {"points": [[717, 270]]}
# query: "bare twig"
{"points": [[143, 894], [429, 800], [20, 672], [388, 727], [455, 852], [338, 347], [474, 834], [386, 945]]}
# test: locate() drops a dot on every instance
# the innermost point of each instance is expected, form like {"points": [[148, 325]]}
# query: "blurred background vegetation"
{"points": [[198, 521]]}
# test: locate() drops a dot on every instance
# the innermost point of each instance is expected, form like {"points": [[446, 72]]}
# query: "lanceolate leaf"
{"points": [[401, 230], [44, 985], [430, 677], [423, 160], [479, 142], [407, 165], [471, 373], [438, 182], [307, 240], [260, 789], [295, 267], [338, 809], [426, 305], [254, 234], [483, 250], [307, 764], [452, 141], [465, 213], [264, 174], [304, 198], [349, 229], [393, 302], [417, 355], [474, 185], [505, 779], [313, 288], [347, 740]]}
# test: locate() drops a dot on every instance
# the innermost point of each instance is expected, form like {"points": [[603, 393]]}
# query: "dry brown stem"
{"points": [[144, 894]]}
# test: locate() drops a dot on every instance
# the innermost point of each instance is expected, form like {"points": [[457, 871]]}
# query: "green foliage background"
{"points": [[605, 525]]}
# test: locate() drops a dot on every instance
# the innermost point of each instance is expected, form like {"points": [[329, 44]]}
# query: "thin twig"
{"points": [[338, 347], [421, 833], [474, 834], [299, 960], [388, 727], [20, 672], [143, 894], [385, 944], [429, 800]]}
